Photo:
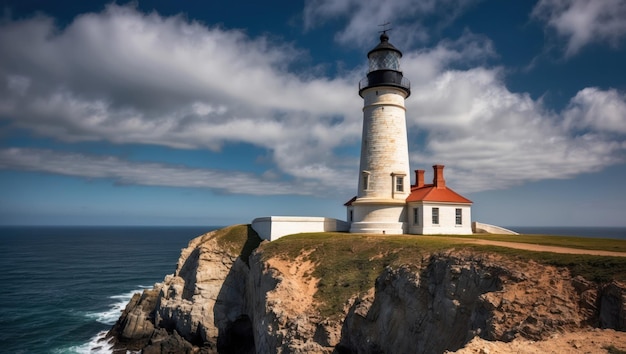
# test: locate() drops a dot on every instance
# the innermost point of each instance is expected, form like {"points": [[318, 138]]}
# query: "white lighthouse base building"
{"points": [[380, 217], [430, 209]]}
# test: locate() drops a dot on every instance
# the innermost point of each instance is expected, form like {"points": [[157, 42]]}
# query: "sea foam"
{"points": [[111, 315], [99, 344]]}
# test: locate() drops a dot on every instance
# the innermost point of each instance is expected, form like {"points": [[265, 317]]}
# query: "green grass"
{"points": [[239, 240], [595, 268], [605, 244], [348, 264]]}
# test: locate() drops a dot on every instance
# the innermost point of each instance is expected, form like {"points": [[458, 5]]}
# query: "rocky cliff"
{"points": [[286, 297]]}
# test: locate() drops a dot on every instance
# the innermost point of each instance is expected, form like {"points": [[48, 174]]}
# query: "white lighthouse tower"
{"points": [[386, 202], [380, 204]]}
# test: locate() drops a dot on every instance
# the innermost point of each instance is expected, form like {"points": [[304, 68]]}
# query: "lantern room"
{"points": [[384, 68]]}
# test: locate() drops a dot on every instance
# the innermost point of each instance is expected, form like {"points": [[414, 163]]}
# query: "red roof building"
{"points": [[433, 209], [435, 192]]}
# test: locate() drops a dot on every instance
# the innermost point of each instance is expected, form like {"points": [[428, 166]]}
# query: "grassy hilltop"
{"points": [[348, 264]]}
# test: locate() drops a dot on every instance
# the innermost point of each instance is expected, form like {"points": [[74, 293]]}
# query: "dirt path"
{"points": [[542, 248]]}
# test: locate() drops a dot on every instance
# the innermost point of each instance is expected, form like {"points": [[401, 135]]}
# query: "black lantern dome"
{"points": [[384, 67]]}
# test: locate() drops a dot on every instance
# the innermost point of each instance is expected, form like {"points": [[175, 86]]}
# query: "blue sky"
{"points": [[213, 113]]}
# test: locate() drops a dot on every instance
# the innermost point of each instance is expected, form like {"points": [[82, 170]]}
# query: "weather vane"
{"points": [[384, 26]]}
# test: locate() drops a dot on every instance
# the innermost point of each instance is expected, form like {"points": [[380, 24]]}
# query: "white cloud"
{"points": [[362, 15], [18, 84], [125, 77], [492, 138], [143, 173], [602, 111], [582, 22]]}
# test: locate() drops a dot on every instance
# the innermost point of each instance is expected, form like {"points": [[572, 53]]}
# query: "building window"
{"points": [[399, 184], [366, 180], [351, 215], [397, 181], [416, 216], [435, 216], [459, 217]]}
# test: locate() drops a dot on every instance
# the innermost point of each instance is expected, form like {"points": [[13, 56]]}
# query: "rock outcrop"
{"points": [[202, 304], [224, 298], [283, 310], [460, 296]]}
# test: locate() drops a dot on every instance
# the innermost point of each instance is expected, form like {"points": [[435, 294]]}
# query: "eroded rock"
{"points": [[460, 296], [197, 306], [222, 299]]}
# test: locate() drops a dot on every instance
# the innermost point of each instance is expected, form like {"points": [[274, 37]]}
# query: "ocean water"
{"points": [[62, 288]]}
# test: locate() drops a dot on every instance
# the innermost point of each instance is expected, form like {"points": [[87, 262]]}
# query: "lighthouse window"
{"points": [[366, 180], [384, 60], [399, 184], [459, 217], [435, 216], [416, 220]]}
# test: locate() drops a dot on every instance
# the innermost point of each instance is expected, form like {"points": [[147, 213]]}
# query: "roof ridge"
{"points": [[433, 194]]}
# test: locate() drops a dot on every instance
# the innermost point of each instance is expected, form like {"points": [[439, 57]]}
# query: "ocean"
{"points": [[64, 287]]}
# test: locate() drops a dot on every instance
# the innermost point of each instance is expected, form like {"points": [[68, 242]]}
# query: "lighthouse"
{"points": [[386, 202], [384, 185]]}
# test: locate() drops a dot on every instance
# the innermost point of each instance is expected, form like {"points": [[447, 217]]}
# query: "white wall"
{"points": [[380, 208], [479, 227], [382, 217], [384, 146], [274, 227], [447, 219]]}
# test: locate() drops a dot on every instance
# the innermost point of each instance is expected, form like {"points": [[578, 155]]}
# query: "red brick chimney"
{"points": [[438, 180], [419, 178]]}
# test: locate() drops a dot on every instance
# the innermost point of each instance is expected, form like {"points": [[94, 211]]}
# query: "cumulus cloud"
{"points": [[598, 110], [125, 77], [582, 22], [494, 139]]}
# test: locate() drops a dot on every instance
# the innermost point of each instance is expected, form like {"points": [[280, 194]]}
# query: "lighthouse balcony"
{"points": [[385, 78]]}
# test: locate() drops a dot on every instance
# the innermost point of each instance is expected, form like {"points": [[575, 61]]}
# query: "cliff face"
{"points": [[222, 299], [202, 304], [283, 310], [460, 296]]}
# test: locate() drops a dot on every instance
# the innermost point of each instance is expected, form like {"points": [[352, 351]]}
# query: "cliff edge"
{"points": [[345, 293]]}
